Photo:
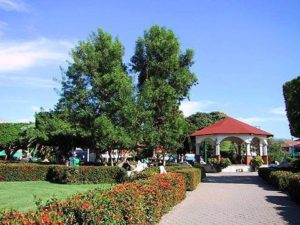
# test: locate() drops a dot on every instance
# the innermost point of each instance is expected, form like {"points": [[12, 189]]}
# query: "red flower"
{"points": [[85, 206]]}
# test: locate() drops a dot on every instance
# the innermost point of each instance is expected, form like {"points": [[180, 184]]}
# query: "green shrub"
{"points": [[294, 188], [202, 170], [257, 162], [219, 165], [264, 173], [23, 172], [86, 174], [61, 174], [280, 179], [295, 164], [225, 162], [140, 202], [150, 171], [192, 175]]}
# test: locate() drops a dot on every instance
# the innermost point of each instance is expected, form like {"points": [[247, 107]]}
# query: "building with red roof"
{"points": [[236, 131]]}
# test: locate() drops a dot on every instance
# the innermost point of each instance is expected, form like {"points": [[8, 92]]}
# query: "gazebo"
{"points": [[230, 129]]}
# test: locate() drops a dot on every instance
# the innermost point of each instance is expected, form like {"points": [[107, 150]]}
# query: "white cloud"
{"points": [[20, 55], [13, 5], [278, 111], [26, 81], [190, 107]]}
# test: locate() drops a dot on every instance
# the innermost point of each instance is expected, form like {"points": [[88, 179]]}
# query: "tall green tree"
{"points": [[201, 120], [96, 108], [291, 93], [10, 134], [164, 80]]}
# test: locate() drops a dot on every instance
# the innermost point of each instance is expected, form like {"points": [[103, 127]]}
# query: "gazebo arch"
{"points": [[230, 128]]}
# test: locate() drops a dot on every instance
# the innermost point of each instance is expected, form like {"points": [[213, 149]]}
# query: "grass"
{"points": [[20, 195]]}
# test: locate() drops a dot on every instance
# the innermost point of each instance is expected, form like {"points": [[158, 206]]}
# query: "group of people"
{"points": [[18, 154]]}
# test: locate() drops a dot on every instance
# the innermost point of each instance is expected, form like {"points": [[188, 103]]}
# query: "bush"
{"points": [[225, 162], [219, 165], [295, 164], [280, 179], [257, 162], [86, 174], [265, 172], [202, 170], [192, 176], [294, 188], [23, 172], [140, 202], [61, 174]]}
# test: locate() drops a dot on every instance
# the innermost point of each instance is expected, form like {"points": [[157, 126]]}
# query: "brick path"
{"points": [[234, 198]]}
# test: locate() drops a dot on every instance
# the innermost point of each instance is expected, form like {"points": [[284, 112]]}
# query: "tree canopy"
{"points": [[291, 93], [96, 108], [164, 80], [201, 120], [10, 134]]}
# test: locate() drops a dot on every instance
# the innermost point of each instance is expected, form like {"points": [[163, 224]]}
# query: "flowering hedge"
{"points": [[192, 176], [61, 174], [139, 202], [86, 174], [23, 172]]}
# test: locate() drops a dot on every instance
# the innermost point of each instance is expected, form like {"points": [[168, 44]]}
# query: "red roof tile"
{"points": [[287, 144], [231, 126]]}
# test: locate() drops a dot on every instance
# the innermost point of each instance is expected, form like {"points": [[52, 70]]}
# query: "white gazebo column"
{"points": [[218, 152], [248, 152], [198, 152], [261, 149], [265, 153]]}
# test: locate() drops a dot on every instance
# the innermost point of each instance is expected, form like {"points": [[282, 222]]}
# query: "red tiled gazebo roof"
{"points": [[230, 126]]}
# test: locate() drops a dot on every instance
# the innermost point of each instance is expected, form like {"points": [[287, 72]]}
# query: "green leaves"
{"points": [[291, 93], [164, 79], [98, 107]]}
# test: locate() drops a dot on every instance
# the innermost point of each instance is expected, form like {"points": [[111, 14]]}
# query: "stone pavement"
{"points": [[234, 198]]}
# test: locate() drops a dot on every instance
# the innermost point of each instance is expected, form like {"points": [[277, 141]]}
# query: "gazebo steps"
{"points": [[236, 168]]}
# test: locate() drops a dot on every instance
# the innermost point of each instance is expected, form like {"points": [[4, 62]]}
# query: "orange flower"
{"points": [[85, 206]]}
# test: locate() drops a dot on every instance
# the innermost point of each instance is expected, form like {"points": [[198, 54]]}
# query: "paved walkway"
{"points": [[234, 198]]}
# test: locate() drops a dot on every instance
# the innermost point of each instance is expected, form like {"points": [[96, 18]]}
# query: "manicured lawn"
{"points": [[20, 195]]}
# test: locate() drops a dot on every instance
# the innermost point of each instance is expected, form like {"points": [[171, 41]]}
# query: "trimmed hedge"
{"points": [[139, 202], [283, 180], [264, 173], [280, 179], [23, 172], [86, 174], [294, 188], [191, 175], [61, 174]]}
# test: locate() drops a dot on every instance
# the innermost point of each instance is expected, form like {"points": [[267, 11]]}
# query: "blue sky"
{"points": [[245, 51]]}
